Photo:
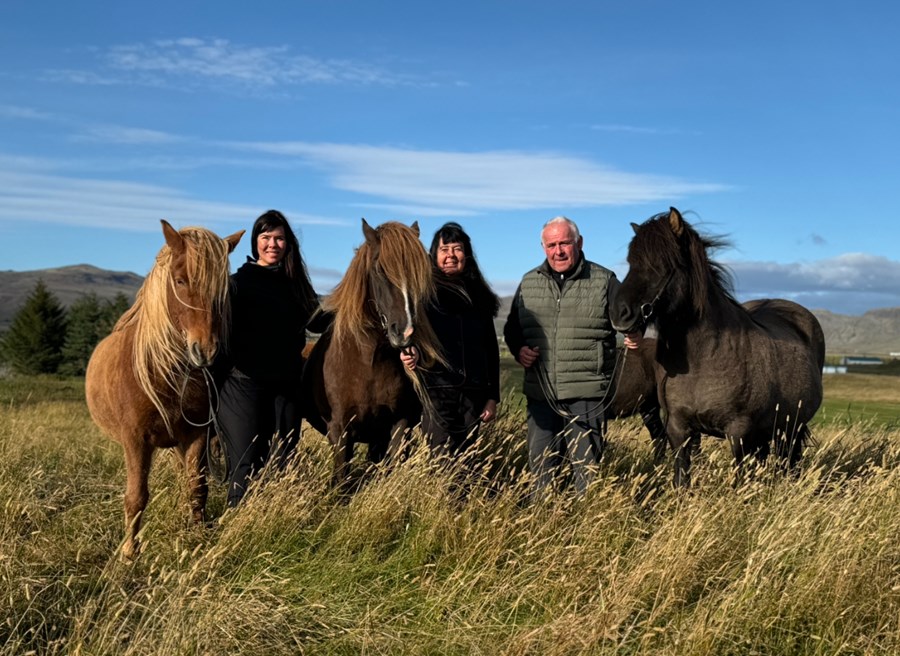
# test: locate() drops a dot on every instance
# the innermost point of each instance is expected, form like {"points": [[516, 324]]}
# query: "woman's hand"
{"points": [[409, 357], [490, 411], [633, 340], [528, 355]]}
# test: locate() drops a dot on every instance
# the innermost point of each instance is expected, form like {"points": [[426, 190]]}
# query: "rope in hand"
{"points": [[603, 404]]}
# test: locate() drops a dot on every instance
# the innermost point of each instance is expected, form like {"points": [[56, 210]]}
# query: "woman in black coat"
{"points": [[465, 392], [272, 300]]}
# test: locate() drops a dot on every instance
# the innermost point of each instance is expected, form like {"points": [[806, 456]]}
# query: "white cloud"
{"points": [[118, 134], [187, 62], [850, 272], [485, 181], [44, 198], [24, 113]]}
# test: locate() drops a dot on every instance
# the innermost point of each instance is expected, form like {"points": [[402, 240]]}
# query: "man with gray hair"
{"points": [[559, 330]]}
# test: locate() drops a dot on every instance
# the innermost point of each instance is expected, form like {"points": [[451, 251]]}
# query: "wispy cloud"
{"points": [[117, 134], [194, 62], [483, 181], [24, 113], [633, 129], [45, 198]]}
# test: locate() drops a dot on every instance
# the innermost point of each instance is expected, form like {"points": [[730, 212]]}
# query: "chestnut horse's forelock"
{"points": [[160, 352], [404, 262]]}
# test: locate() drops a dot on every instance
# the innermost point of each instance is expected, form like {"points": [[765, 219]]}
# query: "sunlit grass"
{"points": [[425, 560]]}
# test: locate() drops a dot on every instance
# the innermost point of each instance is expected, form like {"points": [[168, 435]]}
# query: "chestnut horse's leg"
{"points": [[138, 456], [194, 461]]}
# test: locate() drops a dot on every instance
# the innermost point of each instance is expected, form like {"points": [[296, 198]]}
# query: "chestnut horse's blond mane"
{"points": [[405, 263], [159, 357]]}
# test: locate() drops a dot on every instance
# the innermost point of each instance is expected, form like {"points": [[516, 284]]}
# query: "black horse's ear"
{"points": [[173, 238], [415, 227], [369, 231], [635, 226], [676, 222]]}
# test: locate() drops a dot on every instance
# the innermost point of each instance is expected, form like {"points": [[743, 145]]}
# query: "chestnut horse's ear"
{"points": [[635, 226], [232, 240], [676, 222], [369, 231], [415, 227], [173, 239]]}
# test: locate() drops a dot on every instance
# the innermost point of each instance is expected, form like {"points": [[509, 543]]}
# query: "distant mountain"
{"points": [[877, 332], [66, 283]]}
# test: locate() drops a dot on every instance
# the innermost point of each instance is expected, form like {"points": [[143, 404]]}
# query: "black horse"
{"points": [[748, 373]]}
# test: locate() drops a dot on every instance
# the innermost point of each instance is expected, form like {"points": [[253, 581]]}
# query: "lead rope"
{"points": [[217, 465], [602, 405]]}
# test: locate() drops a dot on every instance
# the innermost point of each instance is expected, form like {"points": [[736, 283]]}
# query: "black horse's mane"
{"points": [[659, 248]]}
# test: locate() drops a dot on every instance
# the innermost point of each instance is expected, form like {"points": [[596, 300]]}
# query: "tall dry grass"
{"points": [[460, 560]]}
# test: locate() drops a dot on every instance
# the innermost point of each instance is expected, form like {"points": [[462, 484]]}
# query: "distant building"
{"points": [[852, 359], [834, 369]]}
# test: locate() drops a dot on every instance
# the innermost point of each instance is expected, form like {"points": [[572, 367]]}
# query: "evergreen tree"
{"points": [[85, 330], [33, 343], [110, 312]]}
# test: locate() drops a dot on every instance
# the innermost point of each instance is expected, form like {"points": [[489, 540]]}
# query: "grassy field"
{"points": [[430, 561]]}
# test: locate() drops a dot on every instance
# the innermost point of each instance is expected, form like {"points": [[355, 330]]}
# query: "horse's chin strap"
{"points": [[647, 309]]}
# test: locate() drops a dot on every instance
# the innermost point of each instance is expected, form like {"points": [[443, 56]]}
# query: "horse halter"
{"points": [[647, 309], [382, 317]]}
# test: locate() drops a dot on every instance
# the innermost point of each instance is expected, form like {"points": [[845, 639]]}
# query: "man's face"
{"points": [[561, 249]]}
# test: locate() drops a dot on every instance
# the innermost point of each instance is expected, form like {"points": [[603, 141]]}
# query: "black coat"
{"points": [[268, 326], [465, 329]]}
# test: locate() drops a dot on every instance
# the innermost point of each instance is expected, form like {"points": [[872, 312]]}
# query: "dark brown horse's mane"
{"points": [[658, 248], [404, 262]]}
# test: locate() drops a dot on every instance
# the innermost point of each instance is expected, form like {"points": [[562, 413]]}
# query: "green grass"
{"points": [[429, 561]]}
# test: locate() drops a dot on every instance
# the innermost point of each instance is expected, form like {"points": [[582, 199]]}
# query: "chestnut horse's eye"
{"points": [[181, 282]]}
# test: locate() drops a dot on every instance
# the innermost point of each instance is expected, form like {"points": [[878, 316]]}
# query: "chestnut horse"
{"points": [[355, 387], [145, 384], [748, 373]]}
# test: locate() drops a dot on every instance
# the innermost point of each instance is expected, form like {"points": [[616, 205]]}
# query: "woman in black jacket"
{"points": [[272, 300], [465, 392]]}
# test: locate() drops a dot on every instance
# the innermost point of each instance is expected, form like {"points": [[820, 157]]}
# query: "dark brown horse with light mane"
{"points": [[748, 373], [145, 385], [354, 383]]}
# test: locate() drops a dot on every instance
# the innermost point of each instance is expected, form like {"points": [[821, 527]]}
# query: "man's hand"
{"points": [[633, 340]]}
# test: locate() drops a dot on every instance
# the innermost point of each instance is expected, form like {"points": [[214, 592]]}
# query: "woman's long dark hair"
{"points": [[483, 297], [294, 267]]}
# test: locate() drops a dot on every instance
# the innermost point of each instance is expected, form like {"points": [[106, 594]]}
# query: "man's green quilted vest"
{"points": [[572, 329]]}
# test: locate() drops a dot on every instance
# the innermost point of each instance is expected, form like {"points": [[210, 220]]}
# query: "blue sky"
{"points": [[774, 123]]}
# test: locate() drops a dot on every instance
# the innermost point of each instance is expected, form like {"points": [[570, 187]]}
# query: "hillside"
{"points": [[877, 332], [67, 283]]}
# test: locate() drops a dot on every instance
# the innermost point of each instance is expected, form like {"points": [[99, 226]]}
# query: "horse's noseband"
{"points": [[382, 317], [647, 309]]}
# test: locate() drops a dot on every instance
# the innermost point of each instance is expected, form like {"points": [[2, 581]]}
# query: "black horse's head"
{"points": [[669, 273]]}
